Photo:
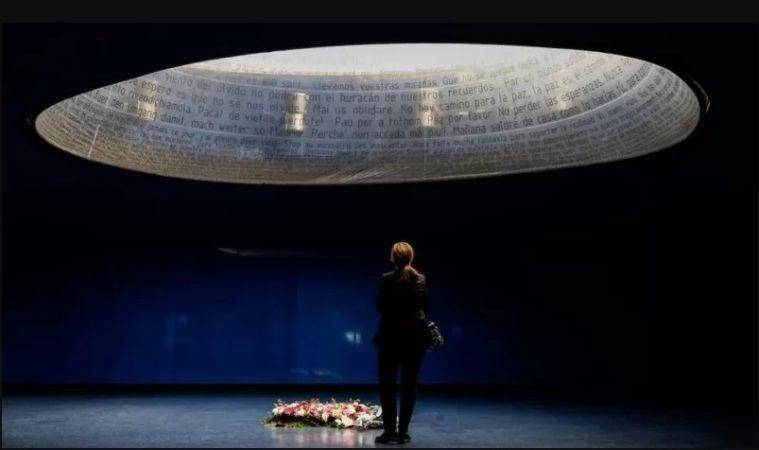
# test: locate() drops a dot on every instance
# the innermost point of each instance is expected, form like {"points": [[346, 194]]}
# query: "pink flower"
{"points": [[345, 415]]}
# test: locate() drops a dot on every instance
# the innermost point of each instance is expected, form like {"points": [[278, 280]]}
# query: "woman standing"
{"points": [[402, 303]]}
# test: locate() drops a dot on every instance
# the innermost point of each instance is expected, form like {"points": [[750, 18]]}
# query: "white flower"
{"points": [[345, 414]]}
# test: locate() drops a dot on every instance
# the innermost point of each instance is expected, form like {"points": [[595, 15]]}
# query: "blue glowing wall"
{"points": [[217, 318], [235, 320]]}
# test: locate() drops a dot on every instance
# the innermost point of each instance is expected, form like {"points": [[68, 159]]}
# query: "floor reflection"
{"points": [[232, 421], [322, 437]]}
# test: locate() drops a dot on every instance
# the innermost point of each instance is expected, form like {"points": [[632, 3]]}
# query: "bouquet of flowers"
{"points": [[314, 413]]}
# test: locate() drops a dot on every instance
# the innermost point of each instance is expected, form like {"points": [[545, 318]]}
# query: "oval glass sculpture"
{"points": [[378, 113]]}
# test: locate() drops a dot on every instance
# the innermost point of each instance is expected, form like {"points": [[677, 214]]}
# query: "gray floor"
{"points": [[231, 420]]}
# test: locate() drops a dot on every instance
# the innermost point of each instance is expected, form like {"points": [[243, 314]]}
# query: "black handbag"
{"points": [[433, 338]]}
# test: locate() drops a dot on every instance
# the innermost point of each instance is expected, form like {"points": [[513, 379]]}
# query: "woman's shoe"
{"points": [[386, 438], [403, 438]]}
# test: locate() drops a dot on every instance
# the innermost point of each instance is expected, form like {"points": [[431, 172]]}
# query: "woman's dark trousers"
{"points": [[389, 361]]}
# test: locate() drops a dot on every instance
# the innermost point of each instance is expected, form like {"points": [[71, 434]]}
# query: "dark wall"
{"points": [[633, 273]]}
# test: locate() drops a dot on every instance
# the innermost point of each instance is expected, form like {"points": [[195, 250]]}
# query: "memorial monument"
{"points": [[378, 114]]}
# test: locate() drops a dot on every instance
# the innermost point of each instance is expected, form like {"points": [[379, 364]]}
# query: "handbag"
{"points": [[433, 338]]}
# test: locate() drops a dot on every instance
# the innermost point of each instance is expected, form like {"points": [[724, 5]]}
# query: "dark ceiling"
{"points": [[51, 198]]}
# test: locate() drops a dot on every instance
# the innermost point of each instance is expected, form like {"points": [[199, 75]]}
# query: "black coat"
{"points": [[402, 305]]}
